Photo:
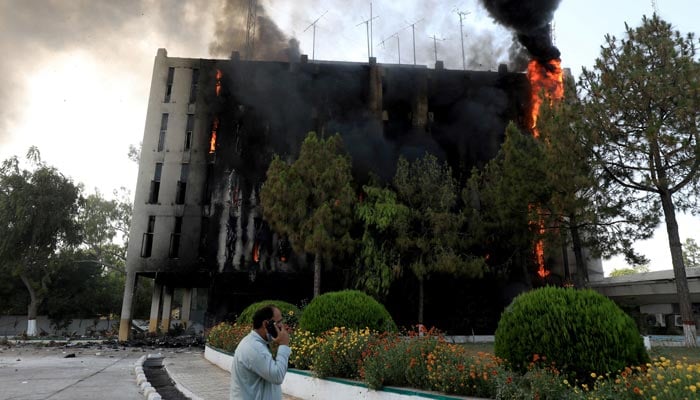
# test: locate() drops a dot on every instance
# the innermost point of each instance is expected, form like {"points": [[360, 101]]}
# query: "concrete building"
{"points": [[652, 296], [212, 128]]}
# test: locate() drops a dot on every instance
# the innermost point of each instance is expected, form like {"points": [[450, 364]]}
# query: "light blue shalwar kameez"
{"points": [[255, 375]]}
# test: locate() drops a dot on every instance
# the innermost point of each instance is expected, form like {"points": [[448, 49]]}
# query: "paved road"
{"points": [[43, 373], [28, 373]]}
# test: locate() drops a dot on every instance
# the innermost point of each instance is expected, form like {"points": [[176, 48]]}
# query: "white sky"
{"points": [[77, 73]]}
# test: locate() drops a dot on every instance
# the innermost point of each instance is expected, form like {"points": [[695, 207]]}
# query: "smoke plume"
{"points": [[530, 20], [270, 43]]}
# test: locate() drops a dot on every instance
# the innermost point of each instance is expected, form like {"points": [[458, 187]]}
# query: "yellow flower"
{"points": [[593, 375], [693, 388]]}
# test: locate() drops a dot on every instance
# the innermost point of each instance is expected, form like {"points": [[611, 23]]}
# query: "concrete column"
{"points": [[419, 106], [155, 307], [375, 89], [186, 307], [167, 305], [127, 306]]}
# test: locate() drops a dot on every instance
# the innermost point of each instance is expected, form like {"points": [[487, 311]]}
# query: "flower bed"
{"points": [[429, 364]]}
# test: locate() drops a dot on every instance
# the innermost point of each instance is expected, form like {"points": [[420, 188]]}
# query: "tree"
{"points": [[81, 289], [499, 201], [37, 219], [641, 102], [630, 271], [311, 200], [379, 261], [599, 217], [430, 237], [691, 253], [105, 227]]}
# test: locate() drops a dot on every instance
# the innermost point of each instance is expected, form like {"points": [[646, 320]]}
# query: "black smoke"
{"points": [[530, 19], [270, 43]]}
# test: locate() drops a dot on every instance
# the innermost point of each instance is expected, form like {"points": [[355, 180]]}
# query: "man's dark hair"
{"points": [[263, 314]]}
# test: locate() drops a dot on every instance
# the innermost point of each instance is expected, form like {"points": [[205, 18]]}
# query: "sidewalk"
{"points": [[198, 378]]}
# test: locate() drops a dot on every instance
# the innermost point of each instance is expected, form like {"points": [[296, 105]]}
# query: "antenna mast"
{"points": [[435, 39], [367, 24], [250, 29], [313, 45], [413, 30], [398, 43], [461, 14]]}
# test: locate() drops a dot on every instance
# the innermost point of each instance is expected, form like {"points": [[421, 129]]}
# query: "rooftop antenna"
{"points": [[398, 43], [461, 14], [413, 30], [313, 45], [435, 39], [250, 29], [553, 32], [367, 25]]}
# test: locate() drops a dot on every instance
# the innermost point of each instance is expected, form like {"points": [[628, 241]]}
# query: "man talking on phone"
{"points": [[255, 374]]}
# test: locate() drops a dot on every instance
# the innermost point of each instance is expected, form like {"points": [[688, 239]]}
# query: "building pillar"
{"points": [[127, 306], [375, 101], [186, 307], [155, 307], [167, 305]]}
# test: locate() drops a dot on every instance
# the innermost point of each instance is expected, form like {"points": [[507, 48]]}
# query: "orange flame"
{"points": [[539, 253], [545, 79], [256, 252], [219, 75], [214, 129]]}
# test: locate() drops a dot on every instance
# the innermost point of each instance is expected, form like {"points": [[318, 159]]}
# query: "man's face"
{"points": [[277, 316]]}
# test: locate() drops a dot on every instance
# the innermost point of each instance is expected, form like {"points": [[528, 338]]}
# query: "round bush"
{"points": [[581, 331], [348, 308], [289, 311]]}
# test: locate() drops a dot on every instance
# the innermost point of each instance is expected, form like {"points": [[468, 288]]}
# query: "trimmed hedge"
{"points": [[581, 331], [289, 311], [348, 308]]}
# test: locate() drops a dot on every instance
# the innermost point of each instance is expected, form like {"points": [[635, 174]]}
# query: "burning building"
{"points": [[212, 128]]}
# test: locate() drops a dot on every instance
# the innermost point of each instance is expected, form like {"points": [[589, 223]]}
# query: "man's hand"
{"points": [[282, 335]]}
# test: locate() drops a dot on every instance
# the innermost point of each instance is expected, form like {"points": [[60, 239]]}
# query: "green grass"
{"points": [[475, 348], [692, 355]]}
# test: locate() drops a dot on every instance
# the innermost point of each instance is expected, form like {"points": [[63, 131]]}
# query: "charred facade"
{"points": [[212, 129]]}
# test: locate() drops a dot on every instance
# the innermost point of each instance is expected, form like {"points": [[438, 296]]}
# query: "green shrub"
{"points": [[392, 360], [339, 352], [580, 331], [347, 308], [304, 346], [226, 336], [290, 312]]}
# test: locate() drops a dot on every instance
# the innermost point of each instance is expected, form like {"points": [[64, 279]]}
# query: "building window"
{"points": [[147, 240], [203, 233], [155, 184], [188, 131], [175, 238], [209, 184], [182, 184], [194, 85], [163, 130], [169, 85]]}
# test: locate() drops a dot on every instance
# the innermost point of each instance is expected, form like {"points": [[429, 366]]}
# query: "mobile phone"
{"points": [[271, 328]]}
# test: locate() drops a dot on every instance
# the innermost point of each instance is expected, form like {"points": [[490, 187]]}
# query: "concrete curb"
{"points": [[148, 391], [186, 392]]}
